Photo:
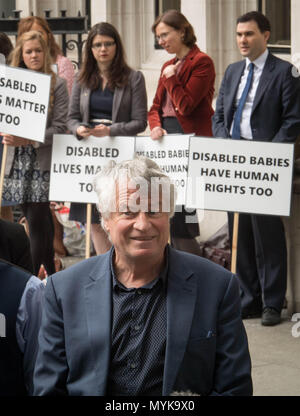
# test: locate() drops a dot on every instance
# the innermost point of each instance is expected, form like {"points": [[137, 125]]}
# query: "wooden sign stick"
{"points": [[234, 242], [3, 163], [88, 231]]}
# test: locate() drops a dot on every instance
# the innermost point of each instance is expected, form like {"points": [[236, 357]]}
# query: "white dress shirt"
{"points": [[259, 65]]}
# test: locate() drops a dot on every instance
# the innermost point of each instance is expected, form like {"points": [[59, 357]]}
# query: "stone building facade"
{"points": [[213, 21]]}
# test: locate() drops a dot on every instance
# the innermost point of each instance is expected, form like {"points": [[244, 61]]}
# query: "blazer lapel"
{"points": [[118, 95], [230, 94], [185, 70], [85, 104], [265, 78], [181, 298], [98, 316]]}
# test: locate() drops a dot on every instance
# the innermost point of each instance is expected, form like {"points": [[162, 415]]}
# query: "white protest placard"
{"points": [[240, 176], [75, 164], [171, 153], [24, 99]]}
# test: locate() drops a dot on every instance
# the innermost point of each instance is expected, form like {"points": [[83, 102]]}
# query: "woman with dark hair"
{"points": [[108, 99], [183, 101], [5, 45], [28, 177], [64, 65]]}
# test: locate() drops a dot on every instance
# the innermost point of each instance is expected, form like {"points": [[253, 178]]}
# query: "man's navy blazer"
{"points": [[206, 350], [275, 113]]}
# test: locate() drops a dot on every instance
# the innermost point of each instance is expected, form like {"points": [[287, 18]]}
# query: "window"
{"points": [[163, 5], [88, 12], [160, 7], [279, 14], [6, 8]]}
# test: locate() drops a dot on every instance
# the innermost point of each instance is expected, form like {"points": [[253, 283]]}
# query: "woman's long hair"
{"points": [[26, 24], [16, 58], [119, 70]]}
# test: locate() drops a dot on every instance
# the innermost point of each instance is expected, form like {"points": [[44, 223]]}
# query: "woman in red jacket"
{"points": [[183, 100]]}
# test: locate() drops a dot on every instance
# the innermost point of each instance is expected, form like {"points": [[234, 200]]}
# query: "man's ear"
{"points": [[267, 35]]}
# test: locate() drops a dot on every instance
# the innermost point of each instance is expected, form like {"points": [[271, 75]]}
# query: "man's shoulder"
{"points": [[235, 66], [210, 280], [9, 228], [13, 273], [278, 62], [81, 272], [202, 268], [271, 59]]}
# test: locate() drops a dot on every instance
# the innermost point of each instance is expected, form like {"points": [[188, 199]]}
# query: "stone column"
{"points": [[98, 11], [126, 16], [24, 5], [295, 33], [196, 13], [221, 28]]}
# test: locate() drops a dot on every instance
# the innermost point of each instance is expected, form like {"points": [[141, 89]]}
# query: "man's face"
{"points": [[251, 42], [135, 234]]}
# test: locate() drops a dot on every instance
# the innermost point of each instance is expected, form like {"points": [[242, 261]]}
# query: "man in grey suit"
{"points": [[259, 99], [142, 319]]}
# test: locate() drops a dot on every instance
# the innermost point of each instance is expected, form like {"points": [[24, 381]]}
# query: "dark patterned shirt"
{"points": [[139, 328]]}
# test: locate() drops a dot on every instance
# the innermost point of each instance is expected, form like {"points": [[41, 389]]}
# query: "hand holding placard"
{"points": [[15, 141]]}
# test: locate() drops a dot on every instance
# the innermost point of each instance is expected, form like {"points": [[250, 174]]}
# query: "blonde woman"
{"points": [[28, 176], [64, 65]]}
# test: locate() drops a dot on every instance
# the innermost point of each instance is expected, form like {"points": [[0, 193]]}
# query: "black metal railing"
{"points": [[62, 26]]}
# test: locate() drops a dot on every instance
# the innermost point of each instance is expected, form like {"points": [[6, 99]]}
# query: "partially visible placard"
{"points": [[171, 153], [24, 99], [76, 163], [240, 176]]}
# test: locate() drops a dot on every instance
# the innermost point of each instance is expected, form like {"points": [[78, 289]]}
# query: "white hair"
{"points": [[137, 171]]}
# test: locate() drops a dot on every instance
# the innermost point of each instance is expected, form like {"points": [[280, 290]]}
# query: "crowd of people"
{"points": [[142, 317]]}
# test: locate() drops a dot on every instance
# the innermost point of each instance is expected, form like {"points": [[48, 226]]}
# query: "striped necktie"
{"points": [[236, 131]]}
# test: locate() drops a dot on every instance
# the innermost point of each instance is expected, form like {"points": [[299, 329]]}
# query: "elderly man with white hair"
{"points": [[142, 319]]}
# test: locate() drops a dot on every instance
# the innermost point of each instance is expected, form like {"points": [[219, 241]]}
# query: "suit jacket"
{"points": [[276, 109], [191, 91], [129, 112], [206, 350], [14, 245]]}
